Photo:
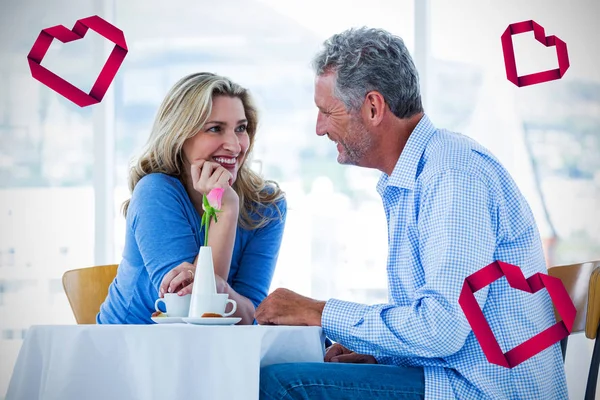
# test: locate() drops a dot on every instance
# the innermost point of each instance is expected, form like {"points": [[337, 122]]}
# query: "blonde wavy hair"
{"points": [[182, 114]]}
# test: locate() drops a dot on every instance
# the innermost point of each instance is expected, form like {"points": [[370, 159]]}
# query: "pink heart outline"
{"points": [[540, 36], [61, 86], [514, 275]]}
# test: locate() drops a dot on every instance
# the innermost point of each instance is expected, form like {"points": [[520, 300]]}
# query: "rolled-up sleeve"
{"points": [[456, 227]]}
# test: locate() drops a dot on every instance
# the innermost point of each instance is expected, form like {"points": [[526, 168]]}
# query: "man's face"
{"points": [[346, 130]]}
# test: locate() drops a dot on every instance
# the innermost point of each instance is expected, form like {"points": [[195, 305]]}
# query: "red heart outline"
{"points": [[540, 36], [61, 86], [491, 273]]}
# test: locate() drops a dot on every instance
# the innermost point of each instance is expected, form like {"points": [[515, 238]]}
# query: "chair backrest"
{"points": [[86, 289], [593, 311], [582, 282]]}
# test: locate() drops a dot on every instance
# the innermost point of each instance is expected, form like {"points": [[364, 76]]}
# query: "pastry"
{"points": [[157, 314], [211, 315]]}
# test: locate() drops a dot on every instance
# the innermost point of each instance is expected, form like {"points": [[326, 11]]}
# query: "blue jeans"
{"points": [[329, 381]]}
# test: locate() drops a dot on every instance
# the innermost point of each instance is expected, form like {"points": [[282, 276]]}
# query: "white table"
{"points": [[174, 361]]}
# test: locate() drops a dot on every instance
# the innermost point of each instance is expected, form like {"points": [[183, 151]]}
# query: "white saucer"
{"points": [[168, 320], [212, 321]]}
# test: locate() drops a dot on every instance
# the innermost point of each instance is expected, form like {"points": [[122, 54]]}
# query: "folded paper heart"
{"points": [[61, 86], [540, 36], [491, 273]]}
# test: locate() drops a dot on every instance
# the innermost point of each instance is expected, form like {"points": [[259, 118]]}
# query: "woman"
{"points": [[201, 139]]}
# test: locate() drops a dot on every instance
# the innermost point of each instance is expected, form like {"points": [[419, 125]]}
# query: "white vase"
{"points": [[204, 278]]}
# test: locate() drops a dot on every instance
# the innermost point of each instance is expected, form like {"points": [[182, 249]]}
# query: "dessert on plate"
{"points": [[211, 315]]}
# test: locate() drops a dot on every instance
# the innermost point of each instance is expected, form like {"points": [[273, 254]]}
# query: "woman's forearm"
{"points": [[221, 239], [245, 308]]}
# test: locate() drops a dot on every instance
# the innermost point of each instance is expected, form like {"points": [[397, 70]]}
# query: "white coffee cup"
{"points": [[211, 303], [176, 305]]}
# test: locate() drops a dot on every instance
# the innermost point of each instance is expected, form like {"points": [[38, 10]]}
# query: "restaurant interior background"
{"points": [[63, 168]]}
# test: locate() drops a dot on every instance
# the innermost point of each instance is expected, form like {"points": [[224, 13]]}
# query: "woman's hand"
{"points": [[208, 175], [179, 279]]}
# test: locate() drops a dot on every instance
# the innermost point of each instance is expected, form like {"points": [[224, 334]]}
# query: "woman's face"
{"points": [[223, 138]]}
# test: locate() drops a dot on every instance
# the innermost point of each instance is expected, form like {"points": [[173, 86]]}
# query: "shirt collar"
{"points": [[405, 171]]}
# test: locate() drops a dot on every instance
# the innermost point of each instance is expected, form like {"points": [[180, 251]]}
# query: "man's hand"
{"points": [[338, 353], [284, 307]]}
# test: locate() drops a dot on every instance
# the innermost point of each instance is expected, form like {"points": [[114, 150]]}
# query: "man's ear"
{"points": [[374, 108]]}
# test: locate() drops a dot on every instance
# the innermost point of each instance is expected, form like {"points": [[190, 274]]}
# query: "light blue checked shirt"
{"points": [[452, 209]]}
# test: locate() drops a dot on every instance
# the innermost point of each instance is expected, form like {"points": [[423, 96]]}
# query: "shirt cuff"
{"points": [[339, 317]]}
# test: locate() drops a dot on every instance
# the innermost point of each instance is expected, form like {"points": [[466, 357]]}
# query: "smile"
{"points": [[227, 161]]}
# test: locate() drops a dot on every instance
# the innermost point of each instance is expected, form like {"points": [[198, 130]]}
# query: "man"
{"points": [[452, 209]]}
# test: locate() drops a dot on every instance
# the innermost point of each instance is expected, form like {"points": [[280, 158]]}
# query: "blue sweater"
{"points": [[163, 231]]}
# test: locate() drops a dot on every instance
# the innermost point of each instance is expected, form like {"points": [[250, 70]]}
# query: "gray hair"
{"points": [[367, 59]]}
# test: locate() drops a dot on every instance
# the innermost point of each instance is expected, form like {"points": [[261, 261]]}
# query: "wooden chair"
{"points": [[582, 282], [86, 289]]}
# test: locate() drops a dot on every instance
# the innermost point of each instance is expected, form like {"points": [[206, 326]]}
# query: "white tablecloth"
{"points": [[176, 361]]}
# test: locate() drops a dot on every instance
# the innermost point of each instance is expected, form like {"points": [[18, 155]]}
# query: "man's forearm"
{"points": [[402, 331]]}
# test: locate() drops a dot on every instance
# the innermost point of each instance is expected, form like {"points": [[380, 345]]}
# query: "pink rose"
{"points": [[214, 198], [211, 204]]}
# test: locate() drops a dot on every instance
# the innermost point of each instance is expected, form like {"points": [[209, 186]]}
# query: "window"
{"points": [[46, 160], [547, 135], [267, 46], [544, 134]]}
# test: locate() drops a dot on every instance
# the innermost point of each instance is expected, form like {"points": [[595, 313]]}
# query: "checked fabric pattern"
{"points": [[452, 209]]}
